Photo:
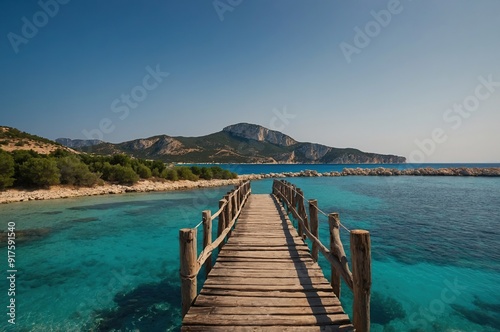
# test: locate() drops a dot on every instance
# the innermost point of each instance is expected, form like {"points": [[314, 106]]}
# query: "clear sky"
{"points": [[414, 78]]}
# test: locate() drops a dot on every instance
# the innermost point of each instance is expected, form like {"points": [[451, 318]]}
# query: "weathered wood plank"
{"points": [[273, 294], [261, 301], [266, 310], [223, 272], [264, 320], [277, 328], [252, 280], [266, 265]]}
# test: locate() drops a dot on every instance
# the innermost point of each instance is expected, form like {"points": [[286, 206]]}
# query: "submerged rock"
{"points": [[384, 309]]}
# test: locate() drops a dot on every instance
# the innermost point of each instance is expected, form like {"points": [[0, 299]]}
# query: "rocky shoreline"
{"points": [[55, 192], [382, 171], [15, 195]]}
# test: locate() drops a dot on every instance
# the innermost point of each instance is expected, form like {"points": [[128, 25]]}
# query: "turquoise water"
{"points": [[111, 263], [277, 168]]}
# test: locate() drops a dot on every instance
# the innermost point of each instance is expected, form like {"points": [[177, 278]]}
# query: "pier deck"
{"points": [[265, 279]]}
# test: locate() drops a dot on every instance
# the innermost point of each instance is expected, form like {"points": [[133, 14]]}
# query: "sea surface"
{"points": [[321, 168], [110, 263]]}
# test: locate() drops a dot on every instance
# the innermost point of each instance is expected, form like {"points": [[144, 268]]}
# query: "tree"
{"points": [[185, 173], [75, 172], [6, 170], [120, 159], [170, 174], [206, 173], [123, 175], [143, 171], [40, 172]]}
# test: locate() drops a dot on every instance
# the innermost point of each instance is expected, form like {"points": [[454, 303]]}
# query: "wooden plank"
{"points": [[262, 320], [252, 280], [223, 272], [284, 288], [265, 265], [265, 310], [267, 294], [277, 328], [260, 301], [265, 254], [302, 247]]}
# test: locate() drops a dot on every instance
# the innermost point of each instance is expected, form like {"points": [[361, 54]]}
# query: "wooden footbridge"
{"points": [[265, 277]]}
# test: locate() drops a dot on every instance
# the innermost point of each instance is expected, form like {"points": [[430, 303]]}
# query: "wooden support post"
{"points": [[299, 212], [188, 253], [335, 275], [313, 214], [221, 225], [362, 277], [229, 211], [302, 209], [207, 237], [234, 205]]}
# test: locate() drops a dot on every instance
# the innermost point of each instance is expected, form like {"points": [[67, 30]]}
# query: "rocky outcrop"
{"points": [[382, 171], [259, 133], [313, 152], [240, 143], [78, 143]]}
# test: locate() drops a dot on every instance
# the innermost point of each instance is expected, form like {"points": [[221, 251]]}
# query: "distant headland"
{"points": [[238, 143]]}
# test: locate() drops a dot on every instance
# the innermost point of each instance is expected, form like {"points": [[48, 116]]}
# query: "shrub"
{"points": [[7, 170], [185, 173], [170, 174], [122, 174], [120, 159], [40, 172], [75, 172], [143, 171], [206, 173], [196, 170]]}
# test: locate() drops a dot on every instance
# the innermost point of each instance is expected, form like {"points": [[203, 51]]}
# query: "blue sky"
{"points": [[413, 78]]}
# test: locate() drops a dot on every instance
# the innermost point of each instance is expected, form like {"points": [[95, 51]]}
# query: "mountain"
{"points": [[78, 143], [240, 143], [12, 139]]}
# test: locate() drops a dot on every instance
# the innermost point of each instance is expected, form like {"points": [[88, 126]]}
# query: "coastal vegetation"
{"points": [[29, 169]]}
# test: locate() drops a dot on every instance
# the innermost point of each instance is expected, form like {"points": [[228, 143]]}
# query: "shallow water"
{"points": [[105, 263]]}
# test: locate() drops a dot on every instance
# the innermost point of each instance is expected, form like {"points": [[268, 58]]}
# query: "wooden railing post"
{"points": [[334, 228], [361, 272], [301, 208], [234, 205], [300, 203], [221, 225], [313, 214], [229, 212], [188, 253], [207, 237]]}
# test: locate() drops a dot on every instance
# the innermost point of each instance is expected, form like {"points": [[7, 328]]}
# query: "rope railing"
{"points": [[359, 281], [230, 208], [294, 189]]}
